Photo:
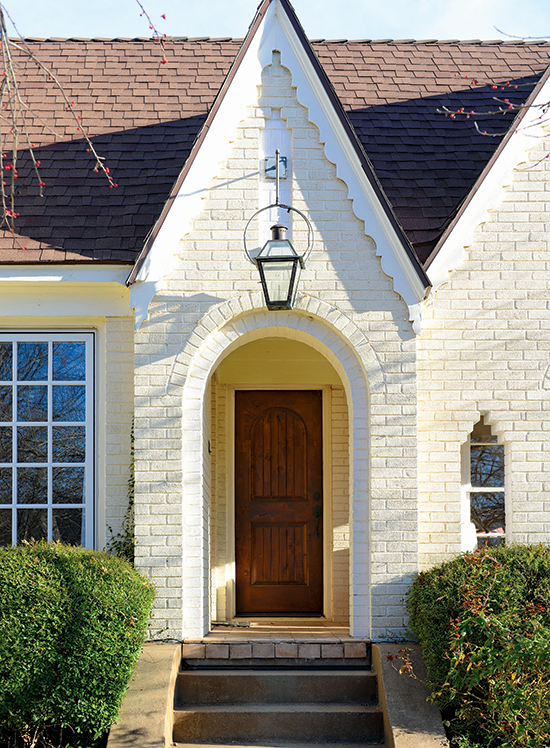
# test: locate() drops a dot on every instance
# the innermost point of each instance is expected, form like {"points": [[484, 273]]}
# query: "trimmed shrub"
{"points": [[72, 624], [483, 621]]}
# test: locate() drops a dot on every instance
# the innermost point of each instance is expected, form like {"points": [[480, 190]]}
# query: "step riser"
{"points": [[363, 727], [293, 663], [260, 687]]}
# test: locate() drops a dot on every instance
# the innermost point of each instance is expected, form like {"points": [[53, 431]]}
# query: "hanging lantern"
{"points": [[279, 266], [278, 262]]}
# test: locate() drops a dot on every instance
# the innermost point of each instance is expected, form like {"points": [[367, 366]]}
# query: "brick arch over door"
{"points": [[336, 337]]}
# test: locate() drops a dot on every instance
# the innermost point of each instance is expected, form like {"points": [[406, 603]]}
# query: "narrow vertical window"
{"points": [[485, 486], [46, 438]]}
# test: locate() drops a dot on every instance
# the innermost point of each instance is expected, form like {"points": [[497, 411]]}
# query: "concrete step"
{"points": [[253, 723], [279, 744], [226, 686]]}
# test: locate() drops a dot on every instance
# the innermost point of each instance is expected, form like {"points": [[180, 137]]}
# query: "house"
{"points": [[305, 461]]}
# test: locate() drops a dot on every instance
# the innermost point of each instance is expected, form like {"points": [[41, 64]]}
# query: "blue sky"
{"points": [[331, 19]]}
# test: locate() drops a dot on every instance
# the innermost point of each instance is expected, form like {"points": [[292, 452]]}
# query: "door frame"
{"points": [[327, 492]]}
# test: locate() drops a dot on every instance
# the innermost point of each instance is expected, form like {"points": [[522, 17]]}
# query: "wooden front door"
{"points": [[278, 502]]}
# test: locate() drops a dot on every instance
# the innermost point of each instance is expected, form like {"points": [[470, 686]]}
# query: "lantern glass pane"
{"points": [[277, 248], [277, 280]]}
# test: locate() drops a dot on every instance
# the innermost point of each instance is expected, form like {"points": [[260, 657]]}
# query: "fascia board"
{"points": [[47, 299], [277, 32], [76, 273], [489, 193]]}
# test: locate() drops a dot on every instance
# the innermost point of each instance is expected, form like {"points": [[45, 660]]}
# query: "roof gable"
{"points": [[277, 28]]}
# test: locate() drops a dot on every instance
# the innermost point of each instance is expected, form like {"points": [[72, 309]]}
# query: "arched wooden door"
{"points": [[278, 502]]}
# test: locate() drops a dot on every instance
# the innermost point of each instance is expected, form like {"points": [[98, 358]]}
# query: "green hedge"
{"points": [[483, 621], [72, 624]]}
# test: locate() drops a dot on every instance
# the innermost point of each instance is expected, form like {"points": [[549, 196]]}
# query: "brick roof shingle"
{"points": [[143, 117]]}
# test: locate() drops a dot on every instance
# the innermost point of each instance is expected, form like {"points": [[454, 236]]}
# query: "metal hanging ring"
{"points": [[288, 208]]}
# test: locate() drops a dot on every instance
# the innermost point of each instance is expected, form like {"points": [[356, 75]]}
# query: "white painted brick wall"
{"points": [[485, 349], [347, 288]]}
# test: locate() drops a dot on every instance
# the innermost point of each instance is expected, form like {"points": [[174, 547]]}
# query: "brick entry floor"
{"points": [[272, 638]]}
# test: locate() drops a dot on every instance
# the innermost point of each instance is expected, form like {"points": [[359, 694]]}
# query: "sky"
{"points": [[329, 19]]}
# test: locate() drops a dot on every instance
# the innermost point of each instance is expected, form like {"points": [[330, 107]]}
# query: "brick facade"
{"points": [[485, 350], [175, 304], [350, 313]]}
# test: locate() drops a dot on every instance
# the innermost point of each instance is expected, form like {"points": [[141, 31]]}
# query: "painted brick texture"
{"points": [[346, 308], [485, 349]]}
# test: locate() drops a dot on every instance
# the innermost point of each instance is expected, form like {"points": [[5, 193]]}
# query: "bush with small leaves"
{"points": [[73, 622], [483, 620]]}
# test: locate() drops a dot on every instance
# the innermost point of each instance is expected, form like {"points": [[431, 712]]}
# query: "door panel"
{"points": [[278, 553], [278, 502]]}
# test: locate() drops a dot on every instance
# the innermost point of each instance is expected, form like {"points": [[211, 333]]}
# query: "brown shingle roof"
{"points": [[144, 117]]}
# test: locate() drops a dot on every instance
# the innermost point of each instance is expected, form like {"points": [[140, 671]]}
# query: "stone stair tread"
{"points": [[279, 707], [302, 672], [279, 744]]}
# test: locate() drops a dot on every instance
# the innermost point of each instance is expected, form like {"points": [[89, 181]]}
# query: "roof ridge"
{"points": [[239, 40], [57, 39]]}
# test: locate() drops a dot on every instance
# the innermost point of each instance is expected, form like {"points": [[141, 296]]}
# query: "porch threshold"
{"points": [[278, 639], [270, 629]]}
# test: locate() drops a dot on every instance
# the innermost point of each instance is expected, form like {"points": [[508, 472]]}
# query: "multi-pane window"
{"points": [[46, 437], [486, 485]]}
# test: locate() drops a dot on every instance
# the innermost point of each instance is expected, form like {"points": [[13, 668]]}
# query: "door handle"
{"points": [[317, 511]]}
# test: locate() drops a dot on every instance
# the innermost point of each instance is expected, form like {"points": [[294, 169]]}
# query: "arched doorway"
{"points": [[280, 483], [207, 587]]}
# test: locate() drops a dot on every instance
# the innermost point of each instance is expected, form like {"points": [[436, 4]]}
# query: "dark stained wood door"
{"points": [[278, 502]]}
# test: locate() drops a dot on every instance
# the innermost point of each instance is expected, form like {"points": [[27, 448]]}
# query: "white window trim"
{"points": [[469, 536], [89, 504]]}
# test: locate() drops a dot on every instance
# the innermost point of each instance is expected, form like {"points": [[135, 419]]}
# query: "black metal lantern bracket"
{"points": [[310, 238]]}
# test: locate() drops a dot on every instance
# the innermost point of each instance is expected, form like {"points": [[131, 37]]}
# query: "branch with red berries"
{"points": [[156, 35], [502, 106], [16, 113], [14, 129]]}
